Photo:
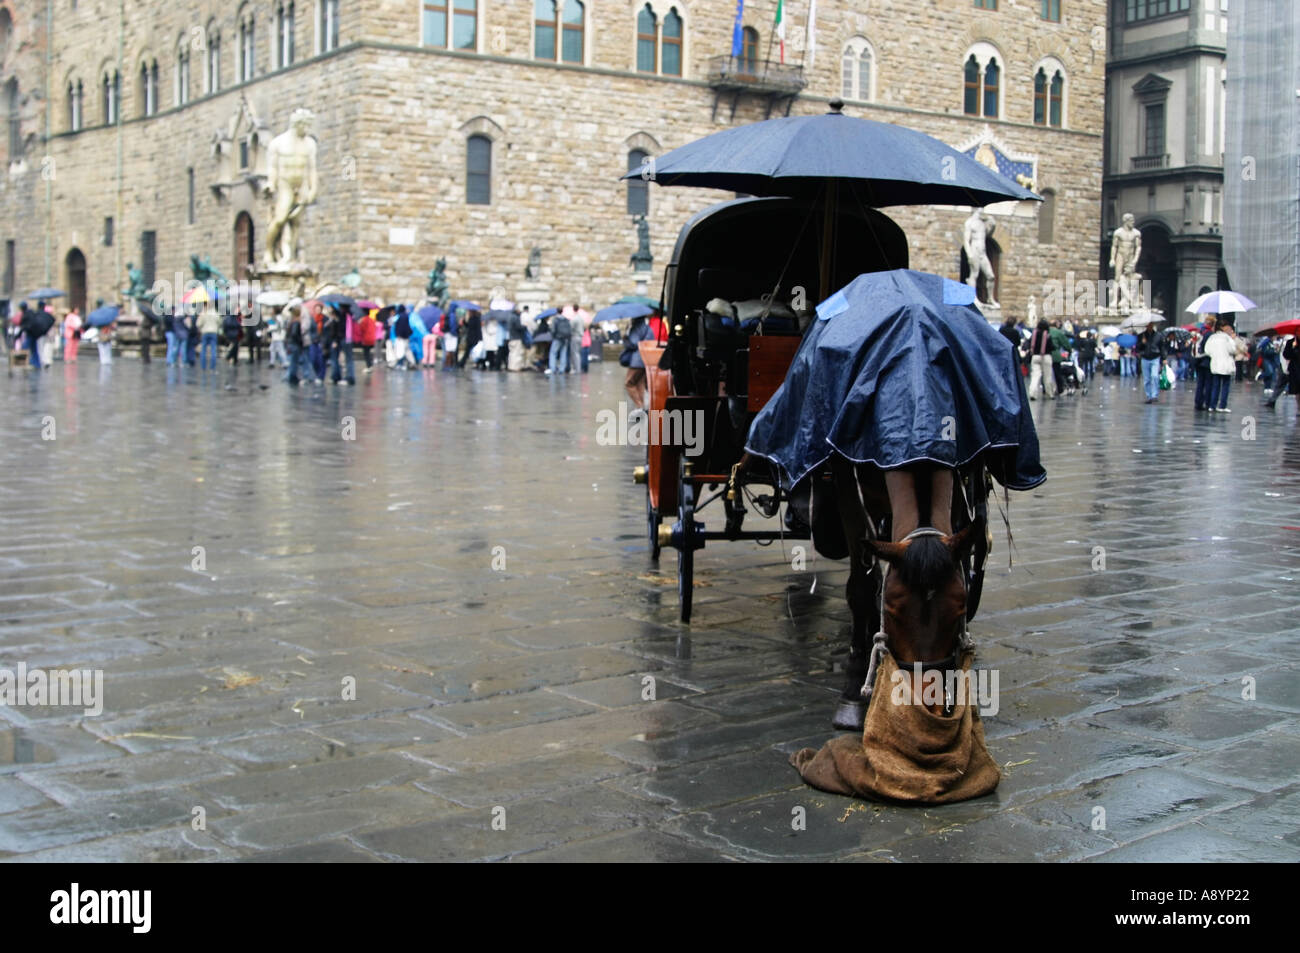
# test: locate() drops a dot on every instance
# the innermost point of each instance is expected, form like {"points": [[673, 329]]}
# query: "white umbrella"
{"points": [[1142, 319], [1108, 331], [273, 299], [1220, 302]]}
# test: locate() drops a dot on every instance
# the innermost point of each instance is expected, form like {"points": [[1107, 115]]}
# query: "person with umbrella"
{"points": [[1153, 351], [450, 328], [635, 382], [1222, 351], [561, 332], [35, 325], [105, 341], [471, 334], [71, 336]]}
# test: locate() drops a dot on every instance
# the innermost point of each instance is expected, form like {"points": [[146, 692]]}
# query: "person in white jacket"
{"points": [[1222, 351]]}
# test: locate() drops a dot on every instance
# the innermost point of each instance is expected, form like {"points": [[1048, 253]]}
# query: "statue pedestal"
{"points": [[291, 278], [532, 295], [642, 279]]}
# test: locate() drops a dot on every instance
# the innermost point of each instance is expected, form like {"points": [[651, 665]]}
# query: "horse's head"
{"points": [[924, 592]]}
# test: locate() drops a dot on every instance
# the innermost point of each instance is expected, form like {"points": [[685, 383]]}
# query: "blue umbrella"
{"points": [[880, 164], [42, 294], [1127, 340], [102, 316], [430, 314], [467, 305], [547, 313], [617, 312]]}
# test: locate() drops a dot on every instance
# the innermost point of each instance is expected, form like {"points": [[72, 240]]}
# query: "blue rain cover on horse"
{"points": [[899, 368]]}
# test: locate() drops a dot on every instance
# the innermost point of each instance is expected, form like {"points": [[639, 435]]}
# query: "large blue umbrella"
{"points": [[43, 294], [1127, 340], [430, 314], [618, 312], [101, 317], [880, 164], [547, 313], [452, 306]]}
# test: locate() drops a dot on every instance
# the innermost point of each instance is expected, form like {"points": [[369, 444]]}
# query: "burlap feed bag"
{"points": [[906, 753]]}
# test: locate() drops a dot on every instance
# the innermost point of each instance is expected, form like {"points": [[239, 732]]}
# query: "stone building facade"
{"points": [[1166, 122], [481, 129]]}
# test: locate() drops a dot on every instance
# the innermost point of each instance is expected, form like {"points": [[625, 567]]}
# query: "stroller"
{"points": [[1072, 378]]}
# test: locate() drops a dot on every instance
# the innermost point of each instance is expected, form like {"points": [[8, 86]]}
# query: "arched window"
{"points": [[327, 25], [647, 41], [748, 51], [572, 40], [12, 110], [450, 24], [76, 98], [478, 169], [284, 38], [971, 105], [182, 72], [112, 96], [1055, 97], [6, 31], [856, 68], [982, 80], [148, 87], [545, 29], [1047, 217], [556, 39], [638, 189], [991, 74], [1049, 95], [247, 47], [672, 44], [213, 66]]}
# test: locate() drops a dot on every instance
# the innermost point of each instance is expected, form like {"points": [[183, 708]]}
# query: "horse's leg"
{"points": [[901, 486], [850, 710], [941, 492]]}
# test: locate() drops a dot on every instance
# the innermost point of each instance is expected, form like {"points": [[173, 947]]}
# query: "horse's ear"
{"points": [[883, 549], [960, 544]]}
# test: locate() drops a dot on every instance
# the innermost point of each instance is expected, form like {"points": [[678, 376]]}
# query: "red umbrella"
{"points": [[1285, 327]]}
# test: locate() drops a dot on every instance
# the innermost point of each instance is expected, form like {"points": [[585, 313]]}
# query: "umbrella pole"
{"points": [[828, 236]]}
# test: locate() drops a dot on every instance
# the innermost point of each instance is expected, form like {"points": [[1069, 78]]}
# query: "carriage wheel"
{"points": [[652, 526], [686, 551]]}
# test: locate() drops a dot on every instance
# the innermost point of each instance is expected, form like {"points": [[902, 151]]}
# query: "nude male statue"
{"points": [[977, 229], [1125, 250], [291, 185]]}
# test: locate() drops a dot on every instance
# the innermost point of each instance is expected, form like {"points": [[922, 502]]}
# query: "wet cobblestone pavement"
{"points": [[520, 687]]}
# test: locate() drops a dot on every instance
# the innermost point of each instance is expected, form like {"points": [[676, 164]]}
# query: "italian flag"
{"points": [[780, 26]]}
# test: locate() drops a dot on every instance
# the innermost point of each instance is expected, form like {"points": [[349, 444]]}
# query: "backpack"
{"points": [[561, 329]]}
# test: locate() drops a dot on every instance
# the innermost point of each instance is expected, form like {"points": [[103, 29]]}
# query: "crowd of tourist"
{"points": [[1059, 358], [317, 341]]}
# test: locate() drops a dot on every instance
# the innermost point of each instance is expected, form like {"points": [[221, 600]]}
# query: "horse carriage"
{"points": [[785, 394]]}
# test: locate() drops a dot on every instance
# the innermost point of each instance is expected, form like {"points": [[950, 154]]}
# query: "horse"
{"points": [[912, 586]]}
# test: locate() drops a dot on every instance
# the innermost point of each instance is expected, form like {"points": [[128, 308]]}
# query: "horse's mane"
{"points": [[926, 565]]}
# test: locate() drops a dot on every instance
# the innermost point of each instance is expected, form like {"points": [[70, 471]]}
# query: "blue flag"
{"points": [[737, 31]]}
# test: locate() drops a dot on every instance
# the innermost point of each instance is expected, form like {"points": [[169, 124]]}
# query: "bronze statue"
{"points": [[204, 270], [136, 288], [437, 286], [642, 259]]}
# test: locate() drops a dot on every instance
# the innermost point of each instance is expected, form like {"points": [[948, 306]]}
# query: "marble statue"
{"points": [[291, 184], [1031, 312], [978, 228], [534, 269], [1125, 250]]}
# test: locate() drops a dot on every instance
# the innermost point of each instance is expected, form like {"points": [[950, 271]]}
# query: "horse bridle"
{"points": [[878, 643]]}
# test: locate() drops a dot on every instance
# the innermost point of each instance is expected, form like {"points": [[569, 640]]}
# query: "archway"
{"points": [[75, 269], [243, 247], [1158, 264]]}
